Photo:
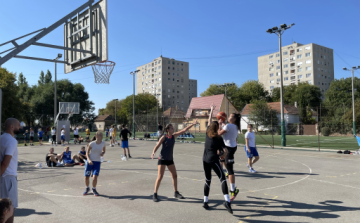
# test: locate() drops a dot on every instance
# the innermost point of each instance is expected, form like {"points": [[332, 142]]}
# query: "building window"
{"points": [[277, 67], [182, 69], [299, 50], [278, 80], [271, 87], [286, 78], [299, 63], [278, 61], [272, 81], [168, 68], [308, 61], [299, 56], [308, 68], [271, 75], [299, 76], [271, 69], [168, 79], [173, 62], [169, 96], [277, 73], [286, 59], [307, 54], [285, 53], [309, 82], [308, 75], [169, 62], [271, 56], [286, 65], [286, 72], [278, 54], [307, 48], [160, 79], [299, 69]]}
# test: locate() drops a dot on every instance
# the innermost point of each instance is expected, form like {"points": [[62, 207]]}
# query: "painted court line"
{"points": [[344, 185]]}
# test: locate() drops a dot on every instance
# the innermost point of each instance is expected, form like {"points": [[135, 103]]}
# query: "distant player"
{"points": [[31, 136], [63, 136], [95, 151], [76, 135], [111, 131], [53, 136], [106, 133], [87, 132], [250, 148], [160, 131], [114, 136], [26, 137], [40, 135], [124, 139]]}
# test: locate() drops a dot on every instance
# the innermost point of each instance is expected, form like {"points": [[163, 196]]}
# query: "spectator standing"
{"points": [[40, 135], [31, 136], [53, 136], [9, 162], [26, 137]]}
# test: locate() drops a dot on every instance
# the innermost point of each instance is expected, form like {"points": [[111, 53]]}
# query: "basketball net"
{"points": [[102, 71]]}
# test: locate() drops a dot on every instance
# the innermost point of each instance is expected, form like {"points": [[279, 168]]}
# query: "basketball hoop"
{"points": [[102, 71]]}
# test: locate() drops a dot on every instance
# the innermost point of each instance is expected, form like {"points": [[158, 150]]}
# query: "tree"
{"points": [[288, 94], [262, 115], [48, 77], [11, 104], [41, 78], [308, 96]]}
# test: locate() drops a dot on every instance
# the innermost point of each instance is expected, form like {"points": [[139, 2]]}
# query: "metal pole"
{"points": [[226, 102], [55, 93], [318, 129], [272, 130], [283, 137], [115, 114], [353, 101], [134, 104], [147, 124]]}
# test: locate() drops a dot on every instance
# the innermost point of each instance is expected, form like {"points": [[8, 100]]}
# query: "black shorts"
{"points": [[31, 138], [48, 163], [76, 136], [53, 137], [110, 137], [166, 162], [40, 138], [230, 156]]}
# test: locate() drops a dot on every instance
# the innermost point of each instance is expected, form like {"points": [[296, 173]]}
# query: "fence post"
{"points": [[272, 130], [318, 128]]}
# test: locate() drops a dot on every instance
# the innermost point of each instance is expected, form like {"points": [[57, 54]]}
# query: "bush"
{"points": [[278, 130], [244, 131], [325, 131]]}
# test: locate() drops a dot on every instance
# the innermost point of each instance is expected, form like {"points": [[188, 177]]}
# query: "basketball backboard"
{"points": [[69, 108], [77, 36]]}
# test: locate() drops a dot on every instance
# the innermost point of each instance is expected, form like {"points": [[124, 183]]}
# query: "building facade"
{"points": [[168, 79], [311, 63], [192, 89]]}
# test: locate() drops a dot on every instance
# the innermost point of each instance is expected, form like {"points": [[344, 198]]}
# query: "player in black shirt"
{"points": [[124, 139], [214, 147], [51, 158]]}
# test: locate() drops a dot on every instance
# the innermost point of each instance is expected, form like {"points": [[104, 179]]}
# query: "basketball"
{"points": [[221, 115]]}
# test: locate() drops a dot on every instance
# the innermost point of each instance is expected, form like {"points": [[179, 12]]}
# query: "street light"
{"points": [[115, 111], [134, 73], [353, 97], [226, 101], [157, 106], [279, 32], [55, 89]]}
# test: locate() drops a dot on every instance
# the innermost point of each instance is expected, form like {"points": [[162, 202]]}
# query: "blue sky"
{"points": [[220, 39]]}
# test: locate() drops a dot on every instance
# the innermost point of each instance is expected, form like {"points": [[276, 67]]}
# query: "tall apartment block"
{"points": [[309, 63], [168, 79]]}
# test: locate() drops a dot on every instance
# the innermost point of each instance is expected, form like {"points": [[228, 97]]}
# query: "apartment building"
{"points": [[168, 79], [311, 63]]}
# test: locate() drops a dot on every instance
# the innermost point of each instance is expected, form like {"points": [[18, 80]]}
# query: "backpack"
{"points": [[339, 151], [346, 152]]}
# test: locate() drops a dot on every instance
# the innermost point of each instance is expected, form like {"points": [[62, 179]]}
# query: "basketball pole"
{"points": [[134, 73]]}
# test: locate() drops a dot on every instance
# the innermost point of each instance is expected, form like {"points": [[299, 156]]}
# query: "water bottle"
{"points": [[52, 164], [102, 159], [40, 165]]}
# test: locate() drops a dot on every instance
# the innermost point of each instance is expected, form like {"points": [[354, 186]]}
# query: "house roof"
{"points": [[288, 109], [173, 112], [101, 118], [205, 103]]}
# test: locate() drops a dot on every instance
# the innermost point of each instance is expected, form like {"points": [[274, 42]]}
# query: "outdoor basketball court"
{"points": [[291, 186]]}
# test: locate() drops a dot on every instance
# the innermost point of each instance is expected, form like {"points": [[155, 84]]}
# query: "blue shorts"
{"points": [[63, 137], [106, 134], [125, 144], [253, 152], [69, 161], [95, 168]]}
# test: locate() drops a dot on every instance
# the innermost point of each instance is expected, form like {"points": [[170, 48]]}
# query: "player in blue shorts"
{"points": [[250, 148], [124, 139], [68, 160], [106, 133], [40, 135], [95, 151]]}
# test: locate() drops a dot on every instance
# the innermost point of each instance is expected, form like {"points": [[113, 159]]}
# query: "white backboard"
{"points": [[76, 36], [69, 107]]}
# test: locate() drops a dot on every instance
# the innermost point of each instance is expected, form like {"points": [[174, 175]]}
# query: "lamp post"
{"points": [[115, 111], [353, 96], [157, 106], [279, 32], [55, 89], [134, 73], [226, 99]]}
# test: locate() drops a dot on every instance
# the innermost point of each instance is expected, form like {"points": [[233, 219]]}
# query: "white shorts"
{"points": [[9, 189]]}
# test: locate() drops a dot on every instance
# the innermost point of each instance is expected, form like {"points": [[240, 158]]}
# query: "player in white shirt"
{"points": [[53, 136], [63, 136], [76, 135], [111, 132], [250, 148], [230, 133]]}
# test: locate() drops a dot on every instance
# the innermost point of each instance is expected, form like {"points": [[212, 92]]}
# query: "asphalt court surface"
{"points": [[290, 186]]}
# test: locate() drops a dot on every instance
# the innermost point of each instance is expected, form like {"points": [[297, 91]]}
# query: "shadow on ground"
{"points": [[24, 212]]}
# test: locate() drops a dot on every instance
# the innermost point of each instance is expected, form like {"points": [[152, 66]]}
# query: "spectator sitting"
{"points": [[6, 209], [87, 139], [66, 157], [81, 139], [51, 158], [82, 155]]}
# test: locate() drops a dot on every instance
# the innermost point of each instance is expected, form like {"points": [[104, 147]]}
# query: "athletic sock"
{"points": [[226, 196], [94, 188], [232, 187], [206, 198], [87, 187]]}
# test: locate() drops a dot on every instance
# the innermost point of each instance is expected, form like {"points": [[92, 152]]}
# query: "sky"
{"points": [[221, 40]]}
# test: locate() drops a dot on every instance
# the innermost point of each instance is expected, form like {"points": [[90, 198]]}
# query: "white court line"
{"points": [[335, 183], [310, 142], [58, 195]]}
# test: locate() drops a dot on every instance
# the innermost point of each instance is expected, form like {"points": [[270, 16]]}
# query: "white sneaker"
{"points": [[251, 170], [248, 165]]}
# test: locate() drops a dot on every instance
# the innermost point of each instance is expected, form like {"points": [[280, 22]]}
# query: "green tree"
{"points": [[288, 94], [262, 115], [48, 77], [308, 96], [41, 78], [11, 104], [25, 94]]}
